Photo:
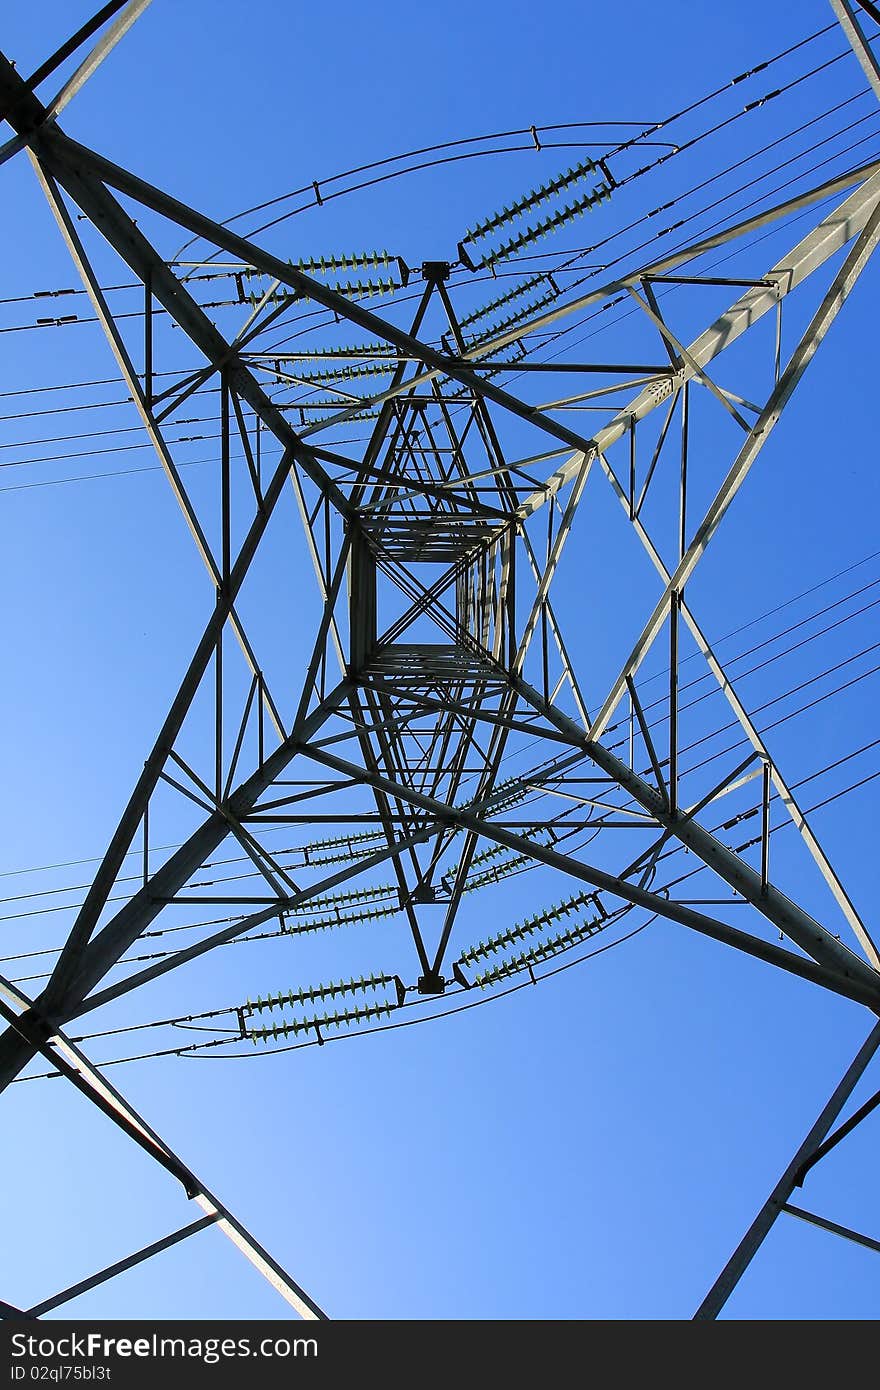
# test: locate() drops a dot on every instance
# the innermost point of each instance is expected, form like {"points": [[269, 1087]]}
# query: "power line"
{"points": [[535, 977]]}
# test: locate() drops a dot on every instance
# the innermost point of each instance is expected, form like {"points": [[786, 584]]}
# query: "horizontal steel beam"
{"points": [[75, 165], [850, 984], [353, 869], [835, 230], [779, 909]]}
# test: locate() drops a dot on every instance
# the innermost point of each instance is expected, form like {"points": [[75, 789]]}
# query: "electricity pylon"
{"points": [[435, 548]]}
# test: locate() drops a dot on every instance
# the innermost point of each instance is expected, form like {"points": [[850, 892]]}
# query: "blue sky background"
{"points": [[593, 1148]]}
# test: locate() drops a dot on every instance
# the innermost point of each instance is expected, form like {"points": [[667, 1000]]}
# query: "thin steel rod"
{"points": [[120, 1267], [839, 290], [824, 1224], [786, 794], [74, 1064]]}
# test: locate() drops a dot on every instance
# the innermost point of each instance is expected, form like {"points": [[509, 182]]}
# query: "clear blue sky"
{"points": [[593, 1148]]}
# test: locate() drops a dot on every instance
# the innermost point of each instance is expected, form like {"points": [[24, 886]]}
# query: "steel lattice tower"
{"points": [[435, 550]]}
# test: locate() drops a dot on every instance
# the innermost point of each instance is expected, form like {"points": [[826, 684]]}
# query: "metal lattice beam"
{"points": [[472, 660]]}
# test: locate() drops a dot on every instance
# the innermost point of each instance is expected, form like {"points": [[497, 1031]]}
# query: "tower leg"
{"points": [[756, 1234]]}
